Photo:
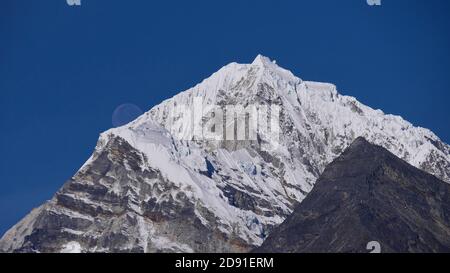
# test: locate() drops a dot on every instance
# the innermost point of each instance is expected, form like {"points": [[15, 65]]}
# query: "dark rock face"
{"points": [[368, 194], [113, 205]]}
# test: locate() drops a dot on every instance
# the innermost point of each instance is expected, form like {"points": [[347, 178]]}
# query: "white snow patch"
{"points": [[71, 247]]}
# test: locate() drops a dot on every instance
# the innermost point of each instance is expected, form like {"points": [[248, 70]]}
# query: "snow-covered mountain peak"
{"points": [[147, 189], [241, 80], [261, 60], [270, 72], [316, 113]]}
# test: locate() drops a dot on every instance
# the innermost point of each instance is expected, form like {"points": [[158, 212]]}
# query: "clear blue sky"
{"points": [[63, 70]]}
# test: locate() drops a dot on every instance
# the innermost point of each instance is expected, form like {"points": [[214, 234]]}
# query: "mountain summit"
{"points": [[261, 60], [165, 183], [368, 194]]}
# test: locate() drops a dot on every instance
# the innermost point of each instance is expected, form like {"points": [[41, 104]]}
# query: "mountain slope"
{"points": [[368, 194], [152, 185]]}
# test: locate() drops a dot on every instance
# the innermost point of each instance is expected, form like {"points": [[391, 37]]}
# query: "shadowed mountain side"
{"points": [[368, 194]]}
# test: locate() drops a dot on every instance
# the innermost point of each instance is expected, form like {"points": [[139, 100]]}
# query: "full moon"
{"points": [[125, 113]]}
